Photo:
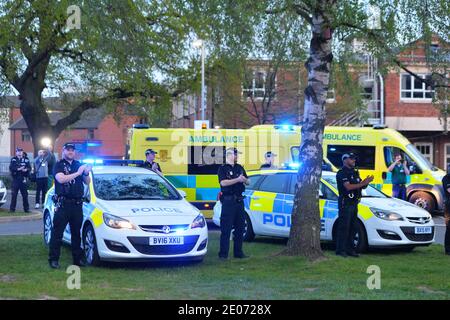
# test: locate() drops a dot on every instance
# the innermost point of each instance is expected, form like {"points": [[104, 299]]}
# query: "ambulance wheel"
{"points": [[423, 200], [249, 235], [47, 228], [360, 239], [90, 246]]}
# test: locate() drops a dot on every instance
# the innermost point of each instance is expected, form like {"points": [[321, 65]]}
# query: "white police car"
{"points": [[382, 221], [3, 193], [135, 214]]}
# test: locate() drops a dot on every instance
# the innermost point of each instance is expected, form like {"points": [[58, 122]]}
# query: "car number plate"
{"points": [[422, 230], [166, 241]]}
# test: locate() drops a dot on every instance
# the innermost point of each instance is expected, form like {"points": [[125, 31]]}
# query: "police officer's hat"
{"points": [[270, 154], [69, 145], [148, 151], [233, 150], [19, 149], [350, 155]]}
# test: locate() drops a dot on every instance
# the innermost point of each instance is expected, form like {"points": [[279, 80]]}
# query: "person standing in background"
{"points": [[41, 167]]}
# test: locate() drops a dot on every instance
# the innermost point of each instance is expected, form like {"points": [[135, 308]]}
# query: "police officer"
{"points": [[446, 185], [232, 178], [349, 186], [269, 158], [150, 161], [69, 178], [20, 168]]}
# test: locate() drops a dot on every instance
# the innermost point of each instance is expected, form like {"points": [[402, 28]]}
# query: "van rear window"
{"points": [[366, 155]]}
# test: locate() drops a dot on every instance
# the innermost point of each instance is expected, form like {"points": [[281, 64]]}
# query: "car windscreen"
{"points": [[369, 192], [121, 186]]}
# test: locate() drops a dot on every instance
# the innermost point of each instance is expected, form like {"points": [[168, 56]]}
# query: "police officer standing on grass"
{"points": [[446, 185], [150, 161], [69, 178], [20, 168], [232, 179], [399, 171], [349, 186]]}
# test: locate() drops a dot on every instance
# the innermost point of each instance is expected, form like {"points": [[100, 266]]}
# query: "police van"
{"points": [[133, 214], [383, 221], [190, 158]]}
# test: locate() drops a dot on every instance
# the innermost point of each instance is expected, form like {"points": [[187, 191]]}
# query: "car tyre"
{"points": [[423, 200], [48, 225], [249, 235], [90, 246], [360, 239]]}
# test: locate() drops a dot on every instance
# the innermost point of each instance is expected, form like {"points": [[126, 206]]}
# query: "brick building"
{"points": [[95, 134]]}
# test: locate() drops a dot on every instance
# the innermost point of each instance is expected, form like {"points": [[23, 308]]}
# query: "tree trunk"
{"points": [[304, 237]]}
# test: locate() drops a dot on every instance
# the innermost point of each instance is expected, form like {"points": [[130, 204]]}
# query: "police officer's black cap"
{"points": [[270, 154], [148, 151], [69, 145], [233, 150], [19, 149], [350, 155]]}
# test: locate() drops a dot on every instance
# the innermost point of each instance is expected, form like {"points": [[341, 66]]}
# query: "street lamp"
{"points": [[199, 44]]}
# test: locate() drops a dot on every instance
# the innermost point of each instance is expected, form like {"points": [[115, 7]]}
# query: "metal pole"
{"points": [[203, 81], [381, 98]]}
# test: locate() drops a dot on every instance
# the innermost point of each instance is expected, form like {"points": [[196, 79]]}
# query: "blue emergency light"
{"points": [[112, 162]]}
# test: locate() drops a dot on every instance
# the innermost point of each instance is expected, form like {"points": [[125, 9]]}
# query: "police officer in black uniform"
{"points": [[349, 186], [20, 168], [150, 161], [69, 190], [446, 186], [232, 179]]}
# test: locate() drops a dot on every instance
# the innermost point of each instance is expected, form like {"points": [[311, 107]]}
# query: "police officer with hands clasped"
{"points": [[232, 179], [20, 168], [349, 186], [69, 190]]}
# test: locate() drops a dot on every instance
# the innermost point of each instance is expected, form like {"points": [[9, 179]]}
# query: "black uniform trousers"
{"points": [[41, 189], [70, 212], [19, 184], [232, 215], [348, 215], [447, 229]]}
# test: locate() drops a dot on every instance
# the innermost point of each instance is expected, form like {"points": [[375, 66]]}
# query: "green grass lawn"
{"points": [[5, 213], [421, 274]]}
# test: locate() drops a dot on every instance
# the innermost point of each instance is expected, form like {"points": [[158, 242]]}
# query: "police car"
{"points": [[382, 221], [134, 214], [2, 193]]}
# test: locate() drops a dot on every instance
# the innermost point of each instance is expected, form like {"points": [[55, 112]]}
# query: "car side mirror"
{"points": [[182, 193]]}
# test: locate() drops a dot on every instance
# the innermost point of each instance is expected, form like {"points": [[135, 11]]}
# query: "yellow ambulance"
{"points": [[190, 158]]}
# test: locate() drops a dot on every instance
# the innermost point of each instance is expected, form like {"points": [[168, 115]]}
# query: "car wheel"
{"points": [[249, 235], [423, 200], [360, 238], [47, 228], [90, 247]]}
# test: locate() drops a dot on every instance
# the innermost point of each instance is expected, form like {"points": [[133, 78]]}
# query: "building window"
{"points": [[331, 96], [426, 149], [90, 135], [447, 154], [366, 155], [26, 135], [255, 84], [411, 88]]}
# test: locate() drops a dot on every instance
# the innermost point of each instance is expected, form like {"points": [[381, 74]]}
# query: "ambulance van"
{"points": [[190, 158]]}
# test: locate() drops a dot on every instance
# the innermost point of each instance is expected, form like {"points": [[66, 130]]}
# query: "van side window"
{"points": [[366, 155], [205, 160], [390, 152], [327, 193]]}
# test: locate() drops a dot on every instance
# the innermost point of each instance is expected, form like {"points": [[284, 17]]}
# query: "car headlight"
{"points": [[199, 222], [117, 222], [2, 185], [386, 215]]}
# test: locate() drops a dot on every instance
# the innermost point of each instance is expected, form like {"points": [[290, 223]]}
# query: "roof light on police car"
{"points": [[117, 222], [199, 222]]}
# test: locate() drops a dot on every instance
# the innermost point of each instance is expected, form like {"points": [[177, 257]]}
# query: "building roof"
{"points": [[90, 119]]}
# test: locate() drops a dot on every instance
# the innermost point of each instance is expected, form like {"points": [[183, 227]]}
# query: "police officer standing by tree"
{"points": [[150, 161], [349, 186], [446, 185], [232, 178], [69, 178], [20, 168]]}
